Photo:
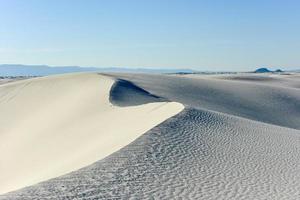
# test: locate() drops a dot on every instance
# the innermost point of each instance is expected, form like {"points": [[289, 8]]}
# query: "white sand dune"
{"points": [[53, 125], [276, 102], [290, 80], [237, 138]]}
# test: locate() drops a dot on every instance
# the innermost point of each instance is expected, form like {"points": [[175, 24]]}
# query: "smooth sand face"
{"points": [[54, 125]]}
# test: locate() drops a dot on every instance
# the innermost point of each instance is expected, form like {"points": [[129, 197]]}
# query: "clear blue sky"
{"points": [[200, 34]]}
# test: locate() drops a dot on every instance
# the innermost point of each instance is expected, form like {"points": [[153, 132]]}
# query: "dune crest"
{"points": [[54, 125]]}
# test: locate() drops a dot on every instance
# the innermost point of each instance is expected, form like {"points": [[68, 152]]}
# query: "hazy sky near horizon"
{"points": [[199, 34]]}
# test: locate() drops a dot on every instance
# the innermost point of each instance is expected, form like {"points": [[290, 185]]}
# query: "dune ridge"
{"points": [[267, 102], [53, 125]]}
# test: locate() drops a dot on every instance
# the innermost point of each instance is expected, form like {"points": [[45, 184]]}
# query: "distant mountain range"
{"points": [[266, 70], [43, 70]]}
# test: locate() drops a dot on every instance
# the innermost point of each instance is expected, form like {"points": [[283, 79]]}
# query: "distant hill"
{"points": [[266, 70], [38, 70], [278, 70], [43, 70], [262, 70]]}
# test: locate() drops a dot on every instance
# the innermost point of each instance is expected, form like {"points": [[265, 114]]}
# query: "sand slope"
{"points": [[291, 80], [274, 103], [236, 139], [54, 125], [195, 155]]}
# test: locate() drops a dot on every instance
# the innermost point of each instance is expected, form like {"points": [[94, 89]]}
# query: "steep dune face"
{"points": [[270, 103], [124, 93], [53, 125]]}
